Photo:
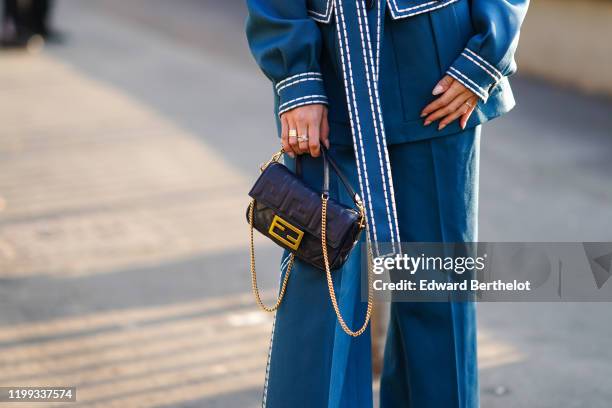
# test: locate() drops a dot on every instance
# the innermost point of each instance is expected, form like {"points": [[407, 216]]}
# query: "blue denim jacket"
{"points": [[375, 64], [474, 41]]}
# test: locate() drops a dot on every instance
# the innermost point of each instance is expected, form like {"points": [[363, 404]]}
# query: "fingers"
{"points": [[285, 136], [307, 126], [325, 129], [443, 85], [455, 102], [293, 132], [466, 116], [302, 128], [453, 91], [313, 140], [448, 109], [457, 109]]}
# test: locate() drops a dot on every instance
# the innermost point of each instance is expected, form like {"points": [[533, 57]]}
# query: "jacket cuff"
{"points": [[301, 89], [475, 73]]}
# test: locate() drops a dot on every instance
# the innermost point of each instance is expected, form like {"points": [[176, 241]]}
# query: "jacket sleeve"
{"points": [[489, 54], [286, 44]]}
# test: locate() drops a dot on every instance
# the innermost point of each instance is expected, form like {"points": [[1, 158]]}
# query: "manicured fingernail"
{"points": [[423, 114], [463, 125], [427, 123], [292, 155], [441, 127], [438, 90]]}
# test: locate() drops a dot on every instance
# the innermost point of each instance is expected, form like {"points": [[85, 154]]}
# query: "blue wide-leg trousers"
{"points": [[430, 352]]}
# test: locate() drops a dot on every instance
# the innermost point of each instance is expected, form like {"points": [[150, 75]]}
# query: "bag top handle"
{"points": [[327, 162]]}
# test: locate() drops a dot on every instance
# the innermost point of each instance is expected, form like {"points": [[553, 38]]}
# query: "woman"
{"points": [[22, 20], [397, 90]]}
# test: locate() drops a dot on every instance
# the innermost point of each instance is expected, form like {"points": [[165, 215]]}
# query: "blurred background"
{"points": [[130, 131]]}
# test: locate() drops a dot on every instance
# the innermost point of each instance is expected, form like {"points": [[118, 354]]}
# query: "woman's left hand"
{"points": [[455, 101]]}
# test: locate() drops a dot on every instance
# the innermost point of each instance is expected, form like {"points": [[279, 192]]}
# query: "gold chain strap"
{"points": [[330, 283], [254, 272]]}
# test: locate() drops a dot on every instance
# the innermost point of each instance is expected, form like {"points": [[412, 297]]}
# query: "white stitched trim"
{"points": [[326, 10], [368, 58], [474, 88], [320, 17], [487, 63], [413, 7], [321, 20], [481, 66], [264, 400], [362, 169], [291, 78], [285, 262], [381, 122], [297, 82], [311, 102], [378, 25], [482, 90], [393, 209], [301, 98], [398, 14]]}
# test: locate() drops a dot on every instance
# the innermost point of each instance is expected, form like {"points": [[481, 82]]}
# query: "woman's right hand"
{"points": [[310, 121]]}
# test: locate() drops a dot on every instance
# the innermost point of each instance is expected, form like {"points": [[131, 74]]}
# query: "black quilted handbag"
{"points": [[313, 227]]}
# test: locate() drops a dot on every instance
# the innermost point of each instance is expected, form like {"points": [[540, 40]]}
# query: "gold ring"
{"points": [[292, 132], [302, 138]]}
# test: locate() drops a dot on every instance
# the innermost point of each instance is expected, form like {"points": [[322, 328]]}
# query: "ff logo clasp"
{"points": [[280, 225]]}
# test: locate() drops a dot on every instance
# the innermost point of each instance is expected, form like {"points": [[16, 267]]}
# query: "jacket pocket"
{"points": [[320, 10], [408, 8], [413, 61]]}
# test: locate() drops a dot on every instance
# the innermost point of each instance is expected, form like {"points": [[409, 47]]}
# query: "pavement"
{"points": [[125, 155], [568, 43]]}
